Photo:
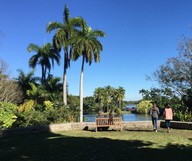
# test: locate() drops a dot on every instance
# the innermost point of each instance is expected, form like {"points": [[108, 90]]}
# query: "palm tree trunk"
{"points": [[120, 104], [65, 89], [43, 74], [100, 106], [65, 77], [81, 91]]}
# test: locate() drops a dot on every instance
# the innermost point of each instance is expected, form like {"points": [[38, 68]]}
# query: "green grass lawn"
{"points": [[141, 145]]}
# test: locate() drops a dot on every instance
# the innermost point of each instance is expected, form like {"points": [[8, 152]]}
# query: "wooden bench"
{"points": [[106, 122]]}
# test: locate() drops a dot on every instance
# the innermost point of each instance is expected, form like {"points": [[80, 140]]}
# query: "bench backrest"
{"points": [[105, 120]]}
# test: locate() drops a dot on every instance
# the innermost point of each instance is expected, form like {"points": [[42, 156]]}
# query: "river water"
{"points": [[90, 117]]}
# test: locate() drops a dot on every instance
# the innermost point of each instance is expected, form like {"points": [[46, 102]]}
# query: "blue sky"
{"points": [[141, 35]]}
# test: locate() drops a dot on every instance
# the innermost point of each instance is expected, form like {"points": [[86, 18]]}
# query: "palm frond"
{"points": [[98, 33], [33, 47], [66, 14], [33, 61], [53, 26]]}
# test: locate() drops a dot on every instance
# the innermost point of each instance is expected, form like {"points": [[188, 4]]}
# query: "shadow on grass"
{"points": [[139, 130], [49, 146]]}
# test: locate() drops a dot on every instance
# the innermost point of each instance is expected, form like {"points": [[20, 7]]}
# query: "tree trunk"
{"points": [[65, 89], [65, 77], [43, 74], [81, 92], [119, 104]]}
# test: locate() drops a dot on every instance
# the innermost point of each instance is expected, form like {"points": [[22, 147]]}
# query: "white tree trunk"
{"points": [[81, 90], [81, 96], [65, 89]]}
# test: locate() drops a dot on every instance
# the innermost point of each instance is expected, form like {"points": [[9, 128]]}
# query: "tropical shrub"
{"points": [[28, 115], [183, 116], [73, 100], [48, 105], [30, 118], [26, 106], [143, 107], [7, 114], [62, 114], [89, 104]]}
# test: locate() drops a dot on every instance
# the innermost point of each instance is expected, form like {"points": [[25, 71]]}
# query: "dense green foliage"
{"points": [[161, 97], [7, 114], [143, 107], [30, 114], [89, 104], [183, 116]]}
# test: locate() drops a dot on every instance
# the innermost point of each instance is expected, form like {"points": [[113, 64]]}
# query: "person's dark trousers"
{"points": [[154, 121], [167, 123]]}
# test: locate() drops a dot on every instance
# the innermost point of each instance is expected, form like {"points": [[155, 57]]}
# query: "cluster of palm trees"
{"points": [[109, 98], [76, 39]]}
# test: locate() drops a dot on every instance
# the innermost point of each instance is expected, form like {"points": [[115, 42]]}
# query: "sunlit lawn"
{"points": [[142, 145]]}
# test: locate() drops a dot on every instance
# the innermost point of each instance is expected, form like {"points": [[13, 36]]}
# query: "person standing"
{"points": [[154, 112], [168, 116], [110, 122]]}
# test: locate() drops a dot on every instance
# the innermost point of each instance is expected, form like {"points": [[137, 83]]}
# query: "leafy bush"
{"points": [[61, 114], [48, 105], [7, 114], [183, 116], [30, 118], [143, 107], [31, 114], [26, 106]]}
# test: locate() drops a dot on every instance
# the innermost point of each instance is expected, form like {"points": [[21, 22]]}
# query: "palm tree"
{"points": [[98, 95], [53, 84], [119, 94], [86, 44], [24, 80], [107, 99], [42, 57], [63, 33], [53, 89]]}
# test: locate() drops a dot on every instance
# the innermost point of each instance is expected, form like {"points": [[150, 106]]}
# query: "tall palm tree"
{"points": [[63, 33], [43, 56], [86, 44]]}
